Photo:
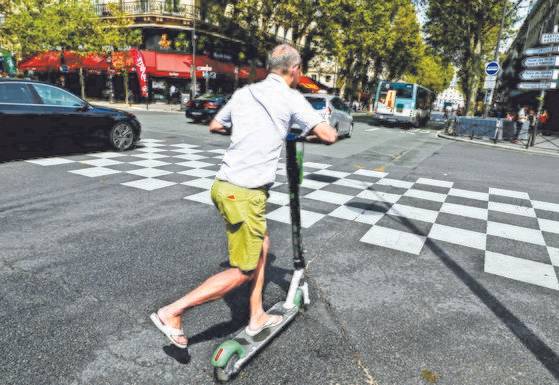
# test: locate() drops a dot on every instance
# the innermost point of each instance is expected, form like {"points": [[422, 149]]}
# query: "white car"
{"points": [[334, 110]]}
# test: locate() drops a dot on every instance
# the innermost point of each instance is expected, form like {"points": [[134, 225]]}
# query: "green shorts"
{"points": [[244, 212]]}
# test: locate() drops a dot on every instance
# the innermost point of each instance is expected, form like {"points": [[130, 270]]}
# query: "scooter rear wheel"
{"points": [[227, 372]]}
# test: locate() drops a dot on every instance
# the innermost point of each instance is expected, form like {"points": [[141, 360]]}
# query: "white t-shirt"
{"points": [[260, 116]]}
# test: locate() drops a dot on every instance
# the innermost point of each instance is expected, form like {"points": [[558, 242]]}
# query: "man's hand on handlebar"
{"points": [[323, 132], [218, 128]]}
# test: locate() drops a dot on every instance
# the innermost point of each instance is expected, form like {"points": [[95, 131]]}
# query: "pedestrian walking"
{"points": [[532, 122], [521, 120], [258, 117], [543, 118], [172, 94]]}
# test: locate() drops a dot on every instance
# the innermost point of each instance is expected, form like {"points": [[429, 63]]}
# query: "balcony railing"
{"points": [[150, 7]]}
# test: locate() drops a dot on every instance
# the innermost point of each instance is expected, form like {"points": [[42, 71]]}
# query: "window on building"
{"points": [[313, 76], [328, 78]]}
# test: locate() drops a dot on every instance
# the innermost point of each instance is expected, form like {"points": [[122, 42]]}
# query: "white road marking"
{"points": [[519, 269], [394, 239], [516, 233]]}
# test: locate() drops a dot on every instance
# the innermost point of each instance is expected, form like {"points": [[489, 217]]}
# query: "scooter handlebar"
{"points": [[291, 137]]}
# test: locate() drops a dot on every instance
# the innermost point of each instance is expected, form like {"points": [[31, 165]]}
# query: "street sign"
{"points": [[541, 61], [64, 69], [209, 75], [540, 75], [492, 68], [204, 68], [490, 82], [549, 38], [537, 86], [542, 50]]}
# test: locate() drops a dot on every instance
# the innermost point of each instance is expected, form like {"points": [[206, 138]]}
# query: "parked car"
{"points": [[205, 107], [334, 110], [34, 112]]}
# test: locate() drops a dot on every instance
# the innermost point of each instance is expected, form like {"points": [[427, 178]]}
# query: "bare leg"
{"points": [[257, 315], [211, 289]]}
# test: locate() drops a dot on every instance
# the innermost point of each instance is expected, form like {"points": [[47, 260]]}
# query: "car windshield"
{"points": [[317, 103]]}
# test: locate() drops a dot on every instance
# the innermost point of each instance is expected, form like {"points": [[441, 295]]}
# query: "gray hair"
{"points": [[283, 57]]}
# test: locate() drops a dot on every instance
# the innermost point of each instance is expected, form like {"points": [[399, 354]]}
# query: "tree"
{"points": [[431, 71], [37, 25], [303, 19], [403, 44], [464, 32], [370, 40], [120, 36]]}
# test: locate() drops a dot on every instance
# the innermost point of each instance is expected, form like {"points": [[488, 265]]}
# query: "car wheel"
{"points": [[121, 137], [348, 135]]}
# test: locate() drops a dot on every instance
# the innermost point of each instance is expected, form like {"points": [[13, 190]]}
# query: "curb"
{"points": [[137, 107], [440, 134]]}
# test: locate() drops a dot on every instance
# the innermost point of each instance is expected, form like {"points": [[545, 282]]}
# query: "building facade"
{"points": [[451, 97], [542, 18]]}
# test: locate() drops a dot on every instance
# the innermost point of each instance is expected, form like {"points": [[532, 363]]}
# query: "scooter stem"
{"points": [[294, 178], [293, 286], [294, 169]]}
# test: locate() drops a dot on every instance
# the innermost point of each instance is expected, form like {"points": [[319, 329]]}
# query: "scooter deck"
{"points": [[253, 344]]}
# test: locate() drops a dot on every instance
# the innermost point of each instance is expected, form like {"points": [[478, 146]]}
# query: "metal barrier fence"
{"points": [[501, 130], [489, 128]]}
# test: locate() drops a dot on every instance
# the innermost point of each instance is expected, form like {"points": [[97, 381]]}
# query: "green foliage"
{"points": [[432, 72], [465, 32], [382, 38], [35, 25], [117, 32]]}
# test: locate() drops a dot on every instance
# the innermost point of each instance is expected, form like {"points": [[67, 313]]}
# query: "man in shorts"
{"points": [[259, 117]]}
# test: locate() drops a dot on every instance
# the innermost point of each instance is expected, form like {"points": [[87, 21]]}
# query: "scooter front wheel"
{"points": [[224, 374]]}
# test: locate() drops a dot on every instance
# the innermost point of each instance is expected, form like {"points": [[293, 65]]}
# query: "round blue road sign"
{"points": [[492, 68]]}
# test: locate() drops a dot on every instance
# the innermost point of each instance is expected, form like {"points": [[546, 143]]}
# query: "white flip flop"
{"points": [[169, 332], [269, 324]]}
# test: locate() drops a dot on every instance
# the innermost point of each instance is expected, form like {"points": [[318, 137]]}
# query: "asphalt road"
{"points": [[430, 262]]}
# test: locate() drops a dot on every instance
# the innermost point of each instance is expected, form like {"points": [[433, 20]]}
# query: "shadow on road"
{"points": [[541, 351], [182, 356], [238, 303], [61, 148]]}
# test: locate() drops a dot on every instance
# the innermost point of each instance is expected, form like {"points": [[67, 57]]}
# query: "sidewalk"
{"points": [[544, 145], [158, 107]]}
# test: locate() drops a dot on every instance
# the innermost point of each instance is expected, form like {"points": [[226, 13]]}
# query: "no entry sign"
{"points": [[492, 68]]}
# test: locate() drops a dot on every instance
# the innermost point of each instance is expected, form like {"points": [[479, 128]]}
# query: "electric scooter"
{"points": [[231, 355]]}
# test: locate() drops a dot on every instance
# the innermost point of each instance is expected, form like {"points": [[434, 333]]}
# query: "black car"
{"points": [[34, 112], [204, 107]]}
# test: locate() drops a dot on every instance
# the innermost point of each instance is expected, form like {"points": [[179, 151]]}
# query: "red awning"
{"points": [[52, 60], [178, 65], [42, 62], [159, 64], [244, 73], [308, 84]]}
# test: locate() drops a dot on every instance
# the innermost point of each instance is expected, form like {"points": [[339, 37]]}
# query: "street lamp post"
{"points": [[193, 65]]}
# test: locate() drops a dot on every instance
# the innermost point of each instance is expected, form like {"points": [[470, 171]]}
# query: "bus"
{"points": [[403, 103]]}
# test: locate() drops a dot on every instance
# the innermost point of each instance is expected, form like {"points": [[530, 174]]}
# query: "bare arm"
{"points": [[326, 133], [218, 128]]}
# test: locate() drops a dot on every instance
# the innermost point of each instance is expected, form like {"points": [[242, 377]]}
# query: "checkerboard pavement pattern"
{"points": [[518, 236]]}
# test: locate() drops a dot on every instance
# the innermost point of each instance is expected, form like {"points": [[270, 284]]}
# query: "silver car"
{"points": [[334, 110]]}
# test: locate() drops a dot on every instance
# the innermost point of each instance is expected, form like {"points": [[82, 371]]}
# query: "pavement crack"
{"points": [[357, 356], [321, 295]]}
